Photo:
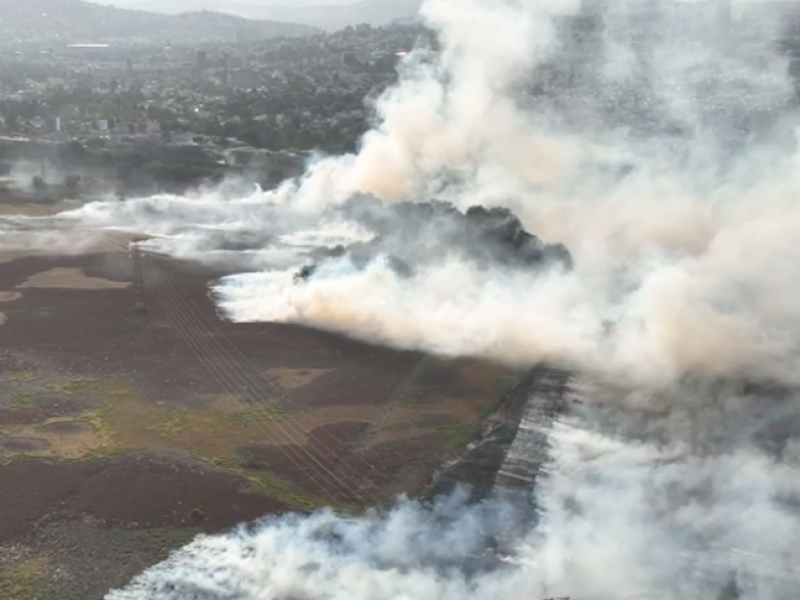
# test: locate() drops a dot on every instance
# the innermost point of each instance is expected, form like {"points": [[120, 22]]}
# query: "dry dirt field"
{"points": [[132, 417]]}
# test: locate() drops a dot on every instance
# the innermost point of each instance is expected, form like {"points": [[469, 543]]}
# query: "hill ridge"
{"points": [[73, 21]]}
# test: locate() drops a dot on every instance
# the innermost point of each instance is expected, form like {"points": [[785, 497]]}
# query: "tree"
{"points": [[40, 185], [72, 184]]}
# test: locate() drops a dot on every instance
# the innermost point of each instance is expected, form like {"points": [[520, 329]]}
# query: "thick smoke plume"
{"points": [[660, 150], [668, 173], [621, 519], [410, 235]]}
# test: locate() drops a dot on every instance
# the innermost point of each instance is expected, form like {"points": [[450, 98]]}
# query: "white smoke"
{"points": [[668, 167], [620, 519], [676, 246], [669, 233]]}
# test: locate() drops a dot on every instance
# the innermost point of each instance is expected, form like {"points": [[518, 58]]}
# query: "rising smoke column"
{"points": [[669, 172]]}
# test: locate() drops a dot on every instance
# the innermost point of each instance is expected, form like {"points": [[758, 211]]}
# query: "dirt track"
{"points": [[116, 422]]}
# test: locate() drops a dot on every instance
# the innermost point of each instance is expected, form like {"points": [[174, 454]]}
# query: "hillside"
{"points": [[71, 21], [326, 15], [374, 12]]}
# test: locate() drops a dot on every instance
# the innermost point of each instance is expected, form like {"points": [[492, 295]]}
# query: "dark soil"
{"points": [[20, 444], [144, 491], [436, 420], [393, 467], [66, 427], [93, 557], [42, 408], [169, 353]]}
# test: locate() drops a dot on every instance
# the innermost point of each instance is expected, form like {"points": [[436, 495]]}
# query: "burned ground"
{"points": [[130, 430]]}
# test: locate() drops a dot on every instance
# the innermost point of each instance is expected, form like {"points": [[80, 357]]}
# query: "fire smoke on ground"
{"points": [[664, 159]]}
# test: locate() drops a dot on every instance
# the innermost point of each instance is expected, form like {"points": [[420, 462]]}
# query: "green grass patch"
{"points": [[272, 485], [280, 490], [20, 400], [216, 461], [21, 377], [23, 580], [486, 410], [102, 453], [264, 482], [170, 539], [257, 414], [173, 423], [458, 435], [9, 456], [169, 428], [505, 383], [77, 386]]}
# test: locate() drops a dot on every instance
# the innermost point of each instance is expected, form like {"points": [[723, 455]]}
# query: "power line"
{"points": [[184, 317]]}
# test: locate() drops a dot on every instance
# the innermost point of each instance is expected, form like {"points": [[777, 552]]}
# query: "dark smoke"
{"points": [[410, 235]]}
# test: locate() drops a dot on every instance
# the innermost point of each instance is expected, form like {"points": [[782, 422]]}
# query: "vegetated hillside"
{"points": [[71, 21], [225, 6], [374, 12], [326, 15]]}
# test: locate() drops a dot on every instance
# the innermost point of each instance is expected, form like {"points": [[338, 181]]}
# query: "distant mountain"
{"points": [[326, 14], [70, 21], [225, 6], [374, 12]]}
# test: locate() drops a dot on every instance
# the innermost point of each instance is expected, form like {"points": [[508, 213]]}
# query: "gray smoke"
{"points": [[659, 148], [665, 166], [623, 513], [416, 234]]}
